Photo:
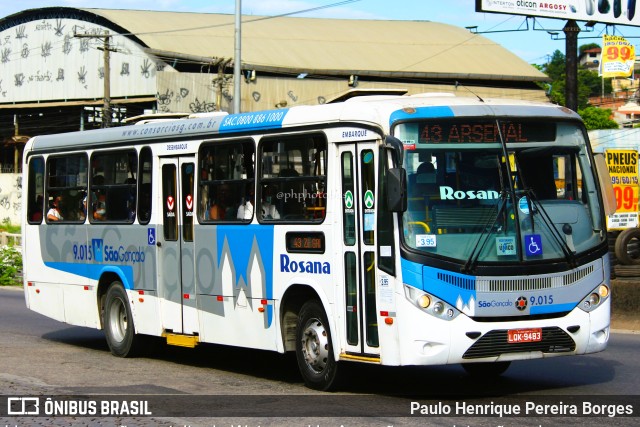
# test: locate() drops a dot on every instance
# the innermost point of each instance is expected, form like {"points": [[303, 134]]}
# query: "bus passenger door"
{"points": [[176, 279], [358, 180]]}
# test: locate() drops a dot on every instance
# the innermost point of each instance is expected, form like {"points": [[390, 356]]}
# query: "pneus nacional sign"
{"points": [[622, 12]]}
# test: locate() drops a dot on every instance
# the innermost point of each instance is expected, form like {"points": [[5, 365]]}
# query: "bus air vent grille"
{"points": [[571, 278], [458, 281], [534, 283], [495, 343], [513, 285]]}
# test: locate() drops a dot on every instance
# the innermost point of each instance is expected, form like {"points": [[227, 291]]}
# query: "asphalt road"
{"points": [[224, 386]]}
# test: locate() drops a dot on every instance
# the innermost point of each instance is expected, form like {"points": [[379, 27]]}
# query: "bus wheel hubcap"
{"points": [[315, 345], [118, 320]]}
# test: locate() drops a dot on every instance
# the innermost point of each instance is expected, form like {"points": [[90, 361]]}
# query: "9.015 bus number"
{"points": [[82, 252], [541, 300]]}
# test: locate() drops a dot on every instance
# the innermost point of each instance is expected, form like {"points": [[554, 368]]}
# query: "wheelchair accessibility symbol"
{"points": [[151, 236], [533, 244]]}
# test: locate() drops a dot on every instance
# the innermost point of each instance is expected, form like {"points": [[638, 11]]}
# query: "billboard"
{"points": [[623, 168], [618, 57], [621, 12]]}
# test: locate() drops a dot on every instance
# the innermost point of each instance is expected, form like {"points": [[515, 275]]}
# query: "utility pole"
{"points": [[237, 61], [106, 49], [16, 132], [106, 107], [221, 82], [571, 31]]}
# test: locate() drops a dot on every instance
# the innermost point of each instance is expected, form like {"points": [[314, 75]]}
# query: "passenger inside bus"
{"points": [[82, 215], [98, 199], [100, 208], [267, 208], [245, 210], [220, 208], [55, 213]]}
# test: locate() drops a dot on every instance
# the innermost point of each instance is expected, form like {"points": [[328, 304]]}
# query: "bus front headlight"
{"points": [[430, 304], [595, 298]]}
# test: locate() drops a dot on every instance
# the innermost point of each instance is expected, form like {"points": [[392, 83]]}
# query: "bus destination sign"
{"points": [[470, 131], [305, 242]]}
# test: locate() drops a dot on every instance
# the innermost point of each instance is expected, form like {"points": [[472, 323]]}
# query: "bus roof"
{"points": [[380, 111]]}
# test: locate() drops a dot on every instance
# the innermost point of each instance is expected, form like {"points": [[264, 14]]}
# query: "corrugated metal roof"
{"points": [[331, 46]]}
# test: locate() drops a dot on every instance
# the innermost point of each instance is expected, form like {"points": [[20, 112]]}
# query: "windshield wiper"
{"points": [[483, 238]]}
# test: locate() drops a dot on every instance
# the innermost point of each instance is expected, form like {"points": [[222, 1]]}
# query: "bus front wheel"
{"points": [[118, 323], [314, 351]]}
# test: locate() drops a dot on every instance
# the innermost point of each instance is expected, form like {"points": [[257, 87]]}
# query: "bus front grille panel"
{"points": [[468, 283], [512, 285], [533, 283], [494, 343]]}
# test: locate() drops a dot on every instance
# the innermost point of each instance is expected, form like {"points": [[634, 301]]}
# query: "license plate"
{"points": [[516, 336]]}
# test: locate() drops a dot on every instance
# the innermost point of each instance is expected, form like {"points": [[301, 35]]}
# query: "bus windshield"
{"points": [[487, 190]]}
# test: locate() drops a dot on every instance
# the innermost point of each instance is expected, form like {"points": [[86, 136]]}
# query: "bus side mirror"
{"points": [[604, 179], [396, 189]]}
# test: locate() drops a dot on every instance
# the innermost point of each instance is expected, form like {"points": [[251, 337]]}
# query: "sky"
{"points": [[533, 46]]}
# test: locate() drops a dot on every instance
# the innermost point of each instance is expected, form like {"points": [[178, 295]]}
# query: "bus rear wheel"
{"points": [[486, 370], [314, 351], [118, 323]]}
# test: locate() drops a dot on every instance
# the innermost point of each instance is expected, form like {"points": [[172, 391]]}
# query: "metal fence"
{"points": [[12, 239], [9, 168]]}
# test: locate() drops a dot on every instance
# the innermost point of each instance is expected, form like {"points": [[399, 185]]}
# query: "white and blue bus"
{"points": [[392, 230]]}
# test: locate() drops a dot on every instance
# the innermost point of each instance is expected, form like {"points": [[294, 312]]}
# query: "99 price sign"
{"points": [[626, 198], [618, 57], [623, 168], [619, 53]]}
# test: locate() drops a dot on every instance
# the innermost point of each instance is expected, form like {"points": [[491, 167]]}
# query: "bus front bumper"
{"points": [[435, 341]]}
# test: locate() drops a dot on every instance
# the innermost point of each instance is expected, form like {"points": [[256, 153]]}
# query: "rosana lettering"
{"points": [[311, 267], [448, 193]]}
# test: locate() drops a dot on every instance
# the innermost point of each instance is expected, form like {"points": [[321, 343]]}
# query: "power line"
{"points": [[246, 21]]}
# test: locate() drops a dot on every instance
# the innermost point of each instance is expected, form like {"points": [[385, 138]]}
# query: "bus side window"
{"points": [[35, 205], [292, 178], [226, 182], [145, 176], [66, 183], [113, 186]]}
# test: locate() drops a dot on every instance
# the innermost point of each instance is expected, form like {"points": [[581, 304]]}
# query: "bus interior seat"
{"points": [[423, 188], [288, 172], [463, 218], [117, 203]]}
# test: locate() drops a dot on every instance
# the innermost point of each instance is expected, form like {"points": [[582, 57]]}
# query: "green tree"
{"points": [[597, 118], [589, 84], [556, 67], [593, 81]]}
